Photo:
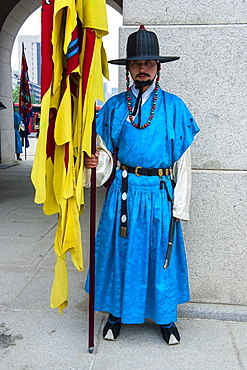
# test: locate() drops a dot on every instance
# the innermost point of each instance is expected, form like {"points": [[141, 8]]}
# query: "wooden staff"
{"points": [[92, 245]]}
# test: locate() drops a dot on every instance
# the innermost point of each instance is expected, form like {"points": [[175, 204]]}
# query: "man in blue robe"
{"points": [[18, 143], [151, 130]]}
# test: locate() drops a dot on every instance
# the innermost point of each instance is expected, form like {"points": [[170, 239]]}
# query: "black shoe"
{"points": [[112, 327], [170, 333]]}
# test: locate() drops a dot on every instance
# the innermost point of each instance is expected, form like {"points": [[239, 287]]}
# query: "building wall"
{"points": [[211, 75], [32, 52]]}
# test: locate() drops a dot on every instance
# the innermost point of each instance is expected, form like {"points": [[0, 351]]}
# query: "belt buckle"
{"points": [[160, 172], [136, 171], [167, 172]]}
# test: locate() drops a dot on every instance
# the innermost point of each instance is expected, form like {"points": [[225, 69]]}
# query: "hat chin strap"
{"points": [[140, 85]]}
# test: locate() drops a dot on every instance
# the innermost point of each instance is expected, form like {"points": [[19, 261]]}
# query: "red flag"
{"points": [[25, 105], [46, 46]]}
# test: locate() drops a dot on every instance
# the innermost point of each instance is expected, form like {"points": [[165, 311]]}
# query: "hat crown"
{"points": [[142, 45]]}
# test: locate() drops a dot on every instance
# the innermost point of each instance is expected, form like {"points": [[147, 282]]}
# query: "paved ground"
{"points": [[35, 337]]}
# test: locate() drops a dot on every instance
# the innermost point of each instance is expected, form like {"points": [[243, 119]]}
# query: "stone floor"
{"points": [[35, 337]]}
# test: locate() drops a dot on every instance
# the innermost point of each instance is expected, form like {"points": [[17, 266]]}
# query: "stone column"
{"points": [[210, 76], [7, 139]]}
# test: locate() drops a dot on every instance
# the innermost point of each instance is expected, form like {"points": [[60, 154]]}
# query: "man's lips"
{"points": [[142, 75]]}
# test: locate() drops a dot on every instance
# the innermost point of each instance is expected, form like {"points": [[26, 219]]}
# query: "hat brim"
{"points": [[123, 62]]}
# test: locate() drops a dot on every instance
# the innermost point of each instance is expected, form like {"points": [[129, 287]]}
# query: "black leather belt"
{"points": [[138, 171]]}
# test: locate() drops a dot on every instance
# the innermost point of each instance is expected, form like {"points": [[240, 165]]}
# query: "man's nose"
{"points": [[142, 68]]}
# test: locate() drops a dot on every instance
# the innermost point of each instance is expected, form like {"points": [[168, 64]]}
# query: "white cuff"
{"points": [[182, 178], [104, 168]]}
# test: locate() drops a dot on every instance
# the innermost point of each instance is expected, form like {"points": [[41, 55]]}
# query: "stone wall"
{"points": [[210, 76]]}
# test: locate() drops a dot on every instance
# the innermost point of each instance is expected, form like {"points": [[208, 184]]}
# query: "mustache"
{"points": [[143, 73]]}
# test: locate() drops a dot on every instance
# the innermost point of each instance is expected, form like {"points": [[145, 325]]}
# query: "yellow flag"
{"points": [[67, 113]]}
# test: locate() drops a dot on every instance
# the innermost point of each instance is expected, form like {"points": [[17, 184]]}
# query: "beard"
{"points": [[141, 84]]}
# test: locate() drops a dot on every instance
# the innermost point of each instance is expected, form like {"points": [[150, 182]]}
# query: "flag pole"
{"points": [[92, 245]]}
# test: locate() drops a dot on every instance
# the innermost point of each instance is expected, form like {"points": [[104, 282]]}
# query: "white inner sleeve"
{"points": [[104, 168], [182, 177]]}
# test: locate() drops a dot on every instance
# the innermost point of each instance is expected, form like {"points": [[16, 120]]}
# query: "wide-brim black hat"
{"points": [[143, 45]]}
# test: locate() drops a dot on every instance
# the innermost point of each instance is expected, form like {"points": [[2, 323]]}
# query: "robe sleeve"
{"points": [[110, 120], [181, 125], [104, 124], [182, 177], [104, 168]]}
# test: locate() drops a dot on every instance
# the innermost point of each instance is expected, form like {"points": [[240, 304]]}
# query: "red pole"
{"points": [[92, 245]]}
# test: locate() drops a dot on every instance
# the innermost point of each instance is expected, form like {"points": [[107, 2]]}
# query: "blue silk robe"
{"points": [[17, 122], [131, 282]]}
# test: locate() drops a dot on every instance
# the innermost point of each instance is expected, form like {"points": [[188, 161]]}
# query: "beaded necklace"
{"points": [[153, 105]]}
